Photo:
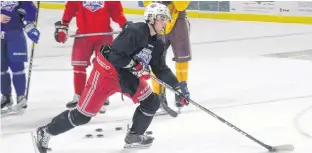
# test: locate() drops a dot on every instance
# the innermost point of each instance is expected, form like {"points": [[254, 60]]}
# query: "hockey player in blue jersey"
{"points": [[17, 17]]}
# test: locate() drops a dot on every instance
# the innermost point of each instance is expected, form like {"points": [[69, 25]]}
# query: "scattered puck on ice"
{"points": [[149, 132], [118, 128], [98, 130], [100, 136], [89, 136]]}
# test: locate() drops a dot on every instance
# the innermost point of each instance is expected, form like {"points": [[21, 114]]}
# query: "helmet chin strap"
{"points": [[153, 25]]}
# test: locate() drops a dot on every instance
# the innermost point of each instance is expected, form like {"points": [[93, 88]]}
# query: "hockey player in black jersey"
{"points": [[123, 67]]}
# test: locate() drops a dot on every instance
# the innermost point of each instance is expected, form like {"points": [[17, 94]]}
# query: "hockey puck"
{"points": [[100, 136], [118, 128], [149, 132], [89, 136], [99, 130]]}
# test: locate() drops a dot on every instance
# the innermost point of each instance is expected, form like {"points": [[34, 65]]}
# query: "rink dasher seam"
{"points": [[296, 124]]}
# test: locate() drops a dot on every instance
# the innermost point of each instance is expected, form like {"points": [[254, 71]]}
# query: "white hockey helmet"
{"points": [[155, 9]]}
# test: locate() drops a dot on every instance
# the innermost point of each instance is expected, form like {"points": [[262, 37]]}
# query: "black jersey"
{"points": [[134, 38]]}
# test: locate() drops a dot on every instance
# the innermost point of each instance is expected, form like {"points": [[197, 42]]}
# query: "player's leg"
{"points": [[144, 113], [6, 91], [82, 51], [180, 43], [97, 89], [106, 40], [17, 53], [19, 82]]}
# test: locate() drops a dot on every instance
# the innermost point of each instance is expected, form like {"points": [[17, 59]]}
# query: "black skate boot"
{"points": [[6, 101], [42, 140], [104, 107], [72, 104], [134, 140]]}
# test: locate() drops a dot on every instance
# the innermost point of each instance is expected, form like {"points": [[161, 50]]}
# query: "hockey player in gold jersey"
{"points": [[177, 34]]}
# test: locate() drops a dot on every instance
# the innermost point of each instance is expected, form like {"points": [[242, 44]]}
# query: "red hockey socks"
{"points": [[80, 78]]}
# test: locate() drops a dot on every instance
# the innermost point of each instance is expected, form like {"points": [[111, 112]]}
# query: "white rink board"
{"points": [[287, 8]]}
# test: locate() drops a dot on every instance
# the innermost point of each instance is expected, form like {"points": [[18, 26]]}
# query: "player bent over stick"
{"points": [[124, 67]]}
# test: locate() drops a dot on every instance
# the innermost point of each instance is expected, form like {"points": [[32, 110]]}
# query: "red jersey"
{"points": [[94, 16]]}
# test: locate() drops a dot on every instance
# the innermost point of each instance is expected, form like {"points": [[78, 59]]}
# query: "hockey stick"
{"points": [[286, 147], [32, 54], [94, 34], [165, 106]]}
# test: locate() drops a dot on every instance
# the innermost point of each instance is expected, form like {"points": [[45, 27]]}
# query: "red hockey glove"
{"points": [[61, 31], [140, 70], [185, 94]]}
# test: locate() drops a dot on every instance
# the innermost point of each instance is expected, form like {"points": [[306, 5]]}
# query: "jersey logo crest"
{"points": [[8, 5], [93, 5]]}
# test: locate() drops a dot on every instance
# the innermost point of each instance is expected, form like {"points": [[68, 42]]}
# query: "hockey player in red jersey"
{"points": [[124, 67], [91, 17]]}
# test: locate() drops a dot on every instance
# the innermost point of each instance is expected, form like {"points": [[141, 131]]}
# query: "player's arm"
{"points": [[123, 47], [161, 70], [61, 27], [70, 11], [29, 11], [116, 13], [164, 73], [181, 5]]}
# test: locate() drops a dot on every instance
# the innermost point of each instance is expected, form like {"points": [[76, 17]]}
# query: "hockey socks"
{"points": [[66, 121], [80, 77], [19, 77], [157, 88], [182, 71], [6, 83]]}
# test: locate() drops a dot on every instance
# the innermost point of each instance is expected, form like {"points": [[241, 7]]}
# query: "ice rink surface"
{"points": [[238, 71]]}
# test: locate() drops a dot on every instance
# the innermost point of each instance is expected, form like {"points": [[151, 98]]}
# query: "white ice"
{"points": [[229, 75]]}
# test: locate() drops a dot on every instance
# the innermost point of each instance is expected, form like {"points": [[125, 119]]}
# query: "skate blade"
{"points": [[137, 145], [35, 144], [12, 112]]}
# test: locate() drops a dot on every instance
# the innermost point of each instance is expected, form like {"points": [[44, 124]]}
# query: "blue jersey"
{"points": [[19, 11]]}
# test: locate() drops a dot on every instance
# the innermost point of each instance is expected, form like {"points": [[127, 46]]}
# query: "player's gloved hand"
{"points": [[141, 71], [61, 31], [32, 32], [185, 94]]}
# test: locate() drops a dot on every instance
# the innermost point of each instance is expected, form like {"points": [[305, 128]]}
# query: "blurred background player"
{"points": [[16, 18], [91, 17], [177, 35]]}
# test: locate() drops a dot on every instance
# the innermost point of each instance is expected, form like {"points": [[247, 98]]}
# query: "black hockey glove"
{"points": [[185, 94], [61, 31]]}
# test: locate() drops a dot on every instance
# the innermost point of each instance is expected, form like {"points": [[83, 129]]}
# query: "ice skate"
{"points": [[72, 104], [104, 107], [20, 106], [6, 104], [21, 102], [134, 140], [6, 101], [42, 140]]}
